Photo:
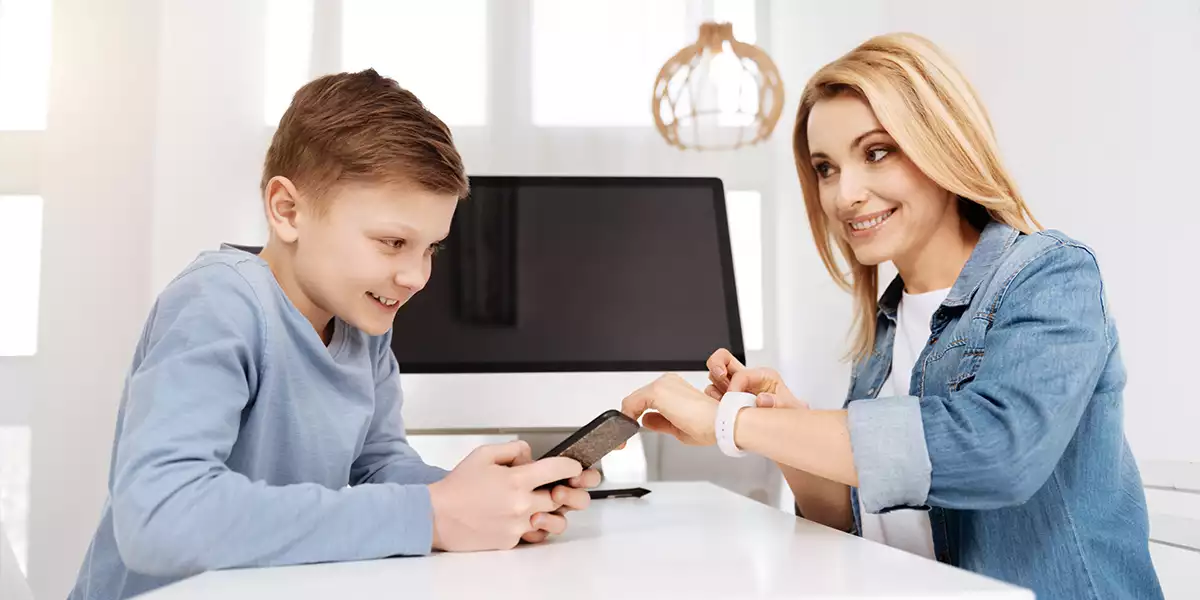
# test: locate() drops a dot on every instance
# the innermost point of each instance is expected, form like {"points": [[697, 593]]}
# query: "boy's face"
{"points": [[368, 253]]}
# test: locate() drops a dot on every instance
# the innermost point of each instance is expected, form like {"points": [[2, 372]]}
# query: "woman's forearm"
{"points": [[819, 499], [813, 441]]}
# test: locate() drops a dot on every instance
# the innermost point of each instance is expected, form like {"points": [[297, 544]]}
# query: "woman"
{"points": [[983, 423]]}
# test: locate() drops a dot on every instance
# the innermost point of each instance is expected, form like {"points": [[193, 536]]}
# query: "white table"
{"points": [[684, 540]]}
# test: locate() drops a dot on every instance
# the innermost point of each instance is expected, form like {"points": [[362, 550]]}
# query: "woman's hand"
{"points": [[682, 410], [726, 374]]}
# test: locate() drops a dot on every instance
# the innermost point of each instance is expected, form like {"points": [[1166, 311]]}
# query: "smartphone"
{"points": [[592, 441]]}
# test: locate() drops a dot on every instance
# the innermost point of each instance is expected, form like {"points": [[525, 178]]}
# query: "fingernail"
{"points": [[720, 372], [766, 400]]}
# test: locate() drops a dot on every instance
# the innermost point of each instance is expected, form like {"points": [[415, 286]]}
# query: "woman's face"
{"points": [[874, 197]]}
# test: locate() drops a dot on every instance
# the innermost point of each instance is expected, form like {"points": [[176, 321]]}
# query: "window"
{"points": [[438, 50], [745, 238], [742, 14], [594, 63], [24, 64], [288, 50], [14, 489], [20, 268]]}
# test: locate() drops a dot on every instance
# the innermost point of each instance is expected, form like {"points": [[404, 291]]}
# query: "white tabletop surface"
{"points": [[684, 540]]}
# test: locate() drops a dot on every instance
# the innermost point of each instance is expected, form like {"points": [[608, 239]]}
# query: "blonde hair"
{"points": [[936, 118]]}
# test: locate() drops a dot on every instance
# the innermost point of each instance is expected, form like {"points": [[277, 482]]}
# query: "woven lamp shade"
{"points": [[718, 93]]}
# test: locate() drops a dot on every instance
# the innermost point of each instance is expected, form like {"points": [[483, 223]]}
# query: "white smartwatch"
{"points": [[727, 412]]}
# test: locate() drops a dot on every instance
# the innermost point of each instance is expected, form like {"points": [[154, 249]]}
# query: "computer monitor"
{"points": [[557, 296]]}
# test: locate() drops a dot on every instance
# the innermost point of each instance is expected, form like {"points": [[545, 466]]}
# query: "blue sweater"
{"points": [[242, 440]]}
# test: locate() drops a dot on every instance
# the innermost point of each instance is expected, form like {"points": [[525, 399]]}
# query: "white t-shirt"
{"points": [[906, 529]]}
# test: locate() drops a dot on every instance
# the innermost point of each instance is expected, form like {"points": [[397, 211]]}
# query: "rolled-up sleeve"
{"points": [[890, 453], [994, 442]]}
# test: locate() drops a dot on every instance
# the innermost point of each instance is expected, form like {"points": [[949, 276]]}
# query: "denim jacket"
{"points": [[1012, 434]]}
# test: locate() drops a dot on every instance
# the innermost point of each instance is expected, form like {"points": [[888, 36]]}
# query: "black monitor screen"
{"points": [[577, 274]]}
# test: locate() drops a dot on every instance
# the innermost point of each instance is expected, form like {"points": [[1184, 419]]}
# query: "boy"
{"points": [[260, 423]]}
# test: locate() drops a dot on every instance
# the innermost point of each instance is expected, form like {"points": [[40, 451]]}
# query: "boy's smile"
{"points": [[383, 301]]}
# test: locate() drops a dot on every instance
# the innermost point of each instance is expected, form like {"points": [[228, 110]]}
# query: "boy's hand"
{"points": [[574, 497], [489, 501]]}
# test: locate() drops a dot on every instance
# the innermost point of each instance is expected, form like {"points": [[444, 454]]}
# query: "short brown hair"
{"points": [[362, 126]]}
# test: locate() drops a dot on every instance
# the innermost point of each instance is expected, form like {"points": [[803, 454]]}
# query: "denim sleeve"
{"points": [[386, 456], [177, 508], [995, 442], [890, 453]]}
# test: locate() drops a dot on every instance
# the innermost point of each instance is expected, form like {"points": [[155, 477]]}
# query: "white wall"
{"points": [[19, 386], [12, 581], [97, 189], [210, 141]]}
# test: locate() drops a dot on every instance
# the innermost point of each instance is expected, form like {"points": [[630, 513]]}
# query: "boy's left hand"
{"points": [[569, 497]]}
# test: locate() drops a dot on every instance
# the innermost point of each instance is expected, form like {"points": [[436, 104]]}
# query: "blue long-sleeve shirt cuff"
{"points": [[890, 454], [416, 510]]}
